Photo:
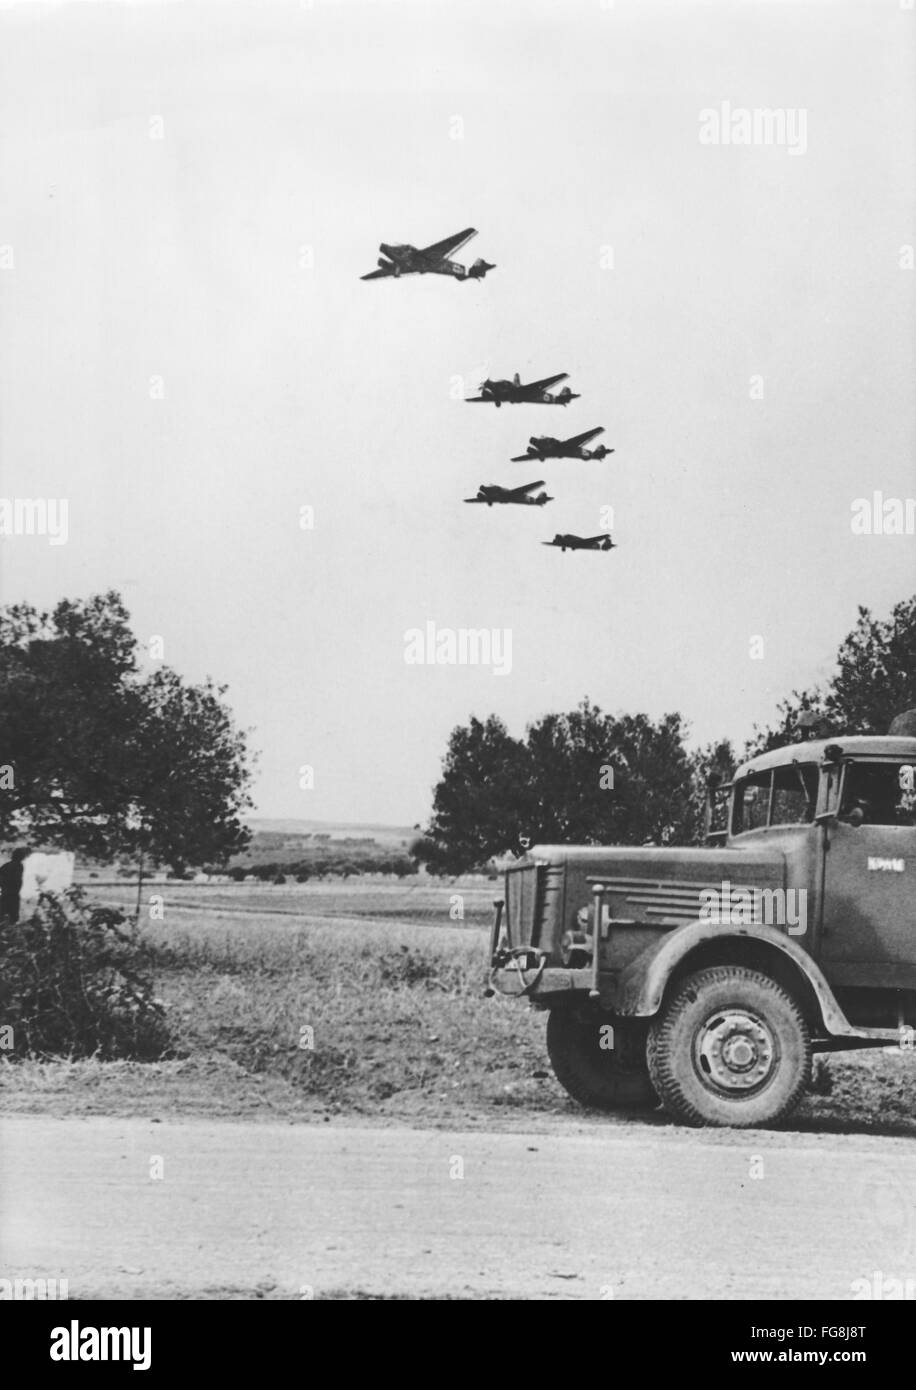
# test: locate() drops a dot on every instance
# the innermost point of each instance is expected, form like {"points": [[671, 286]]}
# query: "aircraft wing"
{"points": [[377, 274], [440, 249], [579, 439], [521, 458], [525, 487], [475, 499], [546, 383], [470, 399]]}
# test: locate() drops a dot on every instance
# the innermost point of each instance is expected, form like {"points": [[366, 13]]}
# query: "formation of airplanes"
{"points": [[396, 261]]}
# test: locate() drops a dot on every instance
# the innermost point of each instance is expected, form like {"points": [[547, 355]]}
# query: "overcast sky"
{"points": [[191, 192]]}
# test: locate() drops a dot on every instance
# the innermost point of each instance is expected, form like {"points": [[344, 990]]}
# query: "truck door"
{"points": [[869, 936]]}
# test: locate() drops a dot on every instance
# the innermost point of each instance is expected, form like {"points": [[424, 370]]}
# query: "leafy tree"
{"points": [[188, 773], [105, 761], [584, 777], [875, 679], [598, 779], [481, 804]]}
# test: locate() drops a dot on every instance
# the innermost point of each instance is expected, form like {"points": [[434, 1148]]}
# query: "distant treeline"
{"points": [[316, 866]]}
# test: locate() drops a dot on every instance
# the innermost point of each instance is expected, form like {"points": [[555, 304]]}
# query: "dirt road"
{"points": [[132, 1208]]}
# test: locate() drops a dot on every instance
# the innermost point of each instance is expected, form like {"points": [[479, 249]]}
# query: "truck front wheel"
{"points": [[601, 1065], [731, 1047]]}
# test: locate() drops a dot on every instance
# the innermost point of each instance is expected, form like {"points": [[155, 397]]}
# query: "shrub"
{"points": [[72, 984]]}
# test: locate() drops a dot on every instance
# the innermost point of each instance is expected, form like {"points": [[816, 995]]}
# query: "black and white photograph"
{"points": [[390, 911]]}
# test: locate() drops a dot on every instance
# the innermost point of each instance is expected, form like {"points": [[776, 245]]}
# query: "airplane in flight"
{"points": [[533, 392], [546, 448], [431, 260], [565, 543], [491, 493]]}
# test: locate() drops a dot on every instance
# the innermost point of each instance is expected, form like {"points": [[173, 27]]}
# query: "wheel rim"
{"points": [[736, 1052]]}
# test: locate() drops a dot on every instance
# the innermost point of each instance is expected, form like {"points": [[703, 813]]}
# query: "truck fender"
{"points": [[642, 984]]}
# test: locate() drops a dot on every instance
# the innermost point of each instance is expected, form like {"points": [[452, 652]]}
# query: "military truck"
{"points": [[704, 978]]}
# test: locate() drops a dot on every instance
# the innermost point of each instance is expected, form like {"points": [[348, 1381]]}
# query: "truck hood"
{"points": [[755, 864], [660, 885]]}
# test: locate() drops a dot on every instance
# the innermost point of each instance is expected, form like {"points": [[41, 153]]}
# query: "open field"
{"points": [[364, 1000], [423, 901]]}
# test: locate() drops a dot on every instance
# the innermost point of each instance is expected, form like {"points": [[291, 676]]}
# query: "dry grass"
{"points": [[354, 1016]]}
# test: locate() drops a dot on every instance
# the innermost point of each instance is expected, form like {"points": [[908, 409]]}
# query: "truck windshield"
{"points": [[884, 792], [781, 796]]}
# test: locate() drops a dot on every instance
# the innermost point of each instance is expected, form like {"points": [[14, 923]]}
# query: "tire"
{"points": [[730, 1047], [600, 1077]]}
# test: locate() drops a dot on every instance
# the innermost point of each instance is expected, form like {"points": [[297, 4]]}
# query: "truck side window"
{"points": [[794, 794], [752, 803], [884, 792], [794, 798]]}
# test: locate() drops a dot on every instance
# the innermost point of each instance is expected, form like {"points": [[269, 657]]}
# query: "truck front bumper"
{"points": [[528, 974]]}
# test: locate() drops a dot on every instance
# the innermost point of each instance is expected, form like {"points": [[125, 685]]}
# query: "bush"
{"points": [[72, 984]]}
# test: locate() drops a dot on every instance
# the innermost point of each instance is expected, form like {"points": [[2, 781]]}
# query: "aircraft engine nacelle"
{"points": [[479, 269]]}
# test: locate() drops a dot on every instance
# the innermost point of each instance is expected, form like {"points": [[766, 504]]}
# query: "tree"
{"points": [[480, 804], [188, 775], [875, 679], [103, 761], [600, 779], [584, 777]]}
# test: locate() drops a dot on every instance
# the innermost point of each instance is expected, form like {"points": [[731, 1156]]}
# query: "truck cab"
{"points": [[705, 977]]}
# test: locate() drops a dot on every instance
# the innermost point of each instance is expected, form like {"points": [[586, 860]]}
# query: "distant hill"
{"points": [[314, 847], [337, 830]]}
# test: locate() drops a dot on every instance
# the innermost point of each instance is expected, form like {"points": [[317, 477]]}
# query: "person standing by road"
{"points": [[11, 885]]}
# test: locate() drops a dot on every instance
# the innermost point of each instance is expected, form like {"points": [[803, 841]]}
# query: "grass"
{"points": [[354, 1017], [368, 1017], [362, 899]]}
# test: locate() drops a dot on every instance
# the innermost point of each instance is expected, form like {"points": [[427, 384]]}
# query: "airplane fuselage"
{"points": [[408, 260], [546, 448], [569, 542], [506, 496], [508, 391]]}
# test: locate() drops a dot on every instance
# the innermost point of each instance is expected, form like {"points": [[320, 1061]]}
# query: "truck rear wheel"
{"points": [[731, 1047], [601, 1065]]}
